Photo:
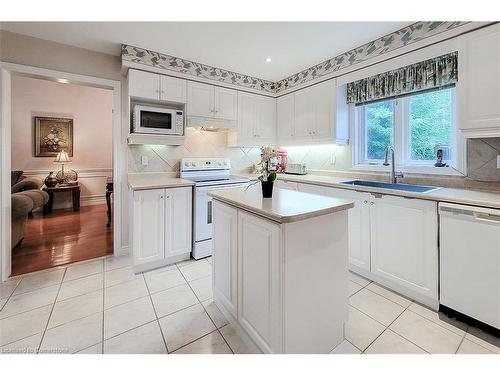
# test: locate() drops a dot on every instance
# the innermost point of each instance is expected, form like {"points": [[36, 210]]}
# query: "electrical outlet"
{"points": [[144, 160], [498, 161]]}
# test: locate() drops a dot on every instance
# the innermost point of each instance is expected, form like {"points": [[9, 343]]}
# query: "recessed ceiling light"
{"points": [[268, 59]]}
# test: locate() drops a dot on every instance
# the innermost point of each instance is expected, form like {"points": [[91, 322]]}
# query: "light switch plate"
{"points": [[498, 161], [144, 160]]}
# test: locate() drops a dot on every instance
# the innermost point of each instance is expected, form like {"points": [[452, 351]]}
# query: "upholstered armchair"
{"points": [[26, 197]]}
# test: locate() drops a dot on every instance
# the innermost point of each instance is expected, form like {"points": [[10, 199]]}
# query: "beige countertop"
{"points": [[461, 196], [286, 206], [145, 181]]}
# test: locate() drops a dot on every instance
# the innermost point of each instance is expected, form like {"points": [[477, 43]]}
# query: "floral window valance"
{"points": [[434, 73]]}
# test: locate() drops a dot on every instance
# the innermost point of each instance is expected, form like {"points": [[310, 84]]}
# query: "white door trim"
{"points": [[6, 71]]}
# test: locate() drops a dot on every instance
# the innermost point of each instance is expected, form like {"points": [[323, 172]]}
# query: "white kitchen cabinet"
{"points": [[404, 244], [392, 240], [161, 226], [200, 99], [172, 89], [156, 87], [143, 85], [256, 121], [225, 253], [148, 226], [359, 222], [315, 111], [211, 102], [226, 104], [178, 217], [478, 88], [285, 119], [259, 292]]}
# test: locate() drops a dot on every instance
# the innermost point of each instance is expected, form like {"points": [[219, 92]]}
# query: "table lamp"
{"points": [[62, 158]]}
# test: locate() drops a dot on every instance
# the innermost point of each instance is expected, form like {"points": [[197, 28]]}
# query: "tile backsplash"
{"points": [[482, 173], [482, 159], [199, 143]]}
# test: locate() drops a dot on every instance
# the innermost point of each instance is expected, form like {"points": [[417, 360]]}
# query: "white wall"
{"points": [[91, 111]]}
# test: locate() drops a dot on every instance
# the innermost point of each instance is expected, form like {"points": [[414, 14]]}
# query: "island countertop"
{"points": [[286, 206]]}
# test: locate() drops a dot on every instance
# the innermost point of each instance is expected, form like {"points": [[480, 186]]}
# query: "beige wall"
{"points": [[91, 110], [26, 50]]}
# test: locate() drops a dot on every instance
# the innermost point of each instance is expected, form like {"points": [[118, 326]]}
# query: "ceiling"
{"points": [[237, 46]]}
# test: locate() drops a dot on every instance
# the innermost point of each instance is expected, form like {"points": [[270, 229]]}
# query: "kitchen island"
{"points": [[281, 268]]}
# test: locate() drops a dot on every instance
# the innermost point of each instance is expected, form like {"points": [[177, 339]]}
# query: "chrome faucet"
{"points": [[394, 175]]}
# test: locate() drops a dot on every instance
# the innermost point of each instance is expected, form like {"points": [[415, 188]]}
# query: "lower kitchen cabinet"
{"points": [[392, 240], [404, 244], [359, 222], [161, 226]]}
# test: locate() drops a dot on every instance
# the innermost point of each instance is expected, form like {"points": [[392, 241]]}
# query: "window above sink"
{"points": [[416, 125]]}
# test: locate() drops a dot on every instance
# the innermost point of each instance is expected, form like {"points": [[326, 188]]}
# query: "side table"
{"points": [[75, 192]]}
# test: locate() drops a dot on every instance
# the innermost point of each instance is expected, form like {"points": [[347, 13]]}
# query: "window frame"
{"points": [[401, 138]]}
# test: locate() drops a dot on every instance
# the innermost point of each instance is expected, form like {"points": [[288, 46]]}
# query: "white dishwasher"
{"points": [[470, 261]]}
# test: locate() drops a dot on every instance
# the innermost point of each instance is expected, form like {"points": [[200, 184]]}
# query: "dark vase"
{"points": [[267, 189], [50, 180]]}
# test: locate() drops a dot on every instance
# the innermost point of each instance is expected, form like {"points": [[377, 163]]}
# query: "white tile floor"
{"points": [[101, 306]]}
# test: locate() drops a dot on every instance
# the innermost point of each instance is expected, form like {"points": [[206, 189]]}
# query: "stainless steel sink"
{"points": [[388, 185]]}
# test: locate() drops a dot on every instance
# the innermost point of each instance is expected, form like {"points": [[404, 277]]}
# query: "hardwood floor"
{"points": [[63, 237]]}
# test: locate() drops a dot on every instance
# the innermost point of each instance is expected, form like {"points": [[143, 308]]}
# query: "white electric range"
{"points": [[208, 174]]}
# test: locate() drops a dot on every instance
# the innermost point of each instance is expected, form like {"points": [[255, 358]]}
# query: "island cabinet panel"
{"points": [[259, 254], [149, 226], [359, 222], [225, 253], [315, 283], [404, 244]]}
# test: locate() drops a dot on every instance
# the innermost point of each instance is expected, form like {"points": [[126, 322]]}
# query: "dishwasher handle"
{"points": [[487, 218]]}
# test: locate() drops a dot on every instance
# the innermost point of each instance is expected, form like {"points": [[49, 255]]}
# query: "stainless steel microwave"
{"points": [[158, 120]]}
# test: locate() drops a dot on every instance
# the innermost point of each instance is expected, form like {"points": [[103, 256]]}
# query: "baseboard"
{"points": [[92, 200]]}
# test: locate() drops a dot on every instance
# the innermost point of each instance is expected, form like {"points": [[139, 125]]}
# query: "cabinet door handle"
{"points": [[365, 202], [372, 203]]}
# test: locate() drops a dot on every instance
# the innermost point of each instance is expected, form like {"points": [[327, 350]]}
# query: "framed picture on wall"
{"points": [[53, 134]]}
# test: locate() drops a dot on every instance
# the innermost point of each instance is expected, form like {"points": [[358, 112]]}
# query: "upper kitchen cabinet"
{"points": [[256, 121], [479, 81], [314, 115], [156, 87], [212, 102], [285, 119]]}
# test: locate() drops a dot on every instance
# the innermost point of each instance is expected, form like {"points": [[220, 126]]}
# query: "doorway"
{"points": [[72, 230], [62, 165]]}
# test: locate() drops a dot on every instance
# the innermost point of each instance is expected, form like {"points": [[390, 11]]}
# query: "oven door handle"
{"points": [[219, 187]]}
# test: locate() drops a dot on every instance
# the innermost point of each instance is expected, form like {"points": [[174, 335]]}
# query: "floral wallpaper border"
{"points": [[160, 60], [403, 37], [390, 42]]}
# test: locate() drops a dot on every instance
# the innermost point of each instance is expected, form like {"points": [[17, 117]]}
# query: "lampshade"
{"points": [[62, 158]]}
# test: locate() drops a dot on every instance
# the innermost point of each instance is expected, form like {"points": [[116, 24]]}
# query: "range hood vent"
{"points": [[210, 124]]}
